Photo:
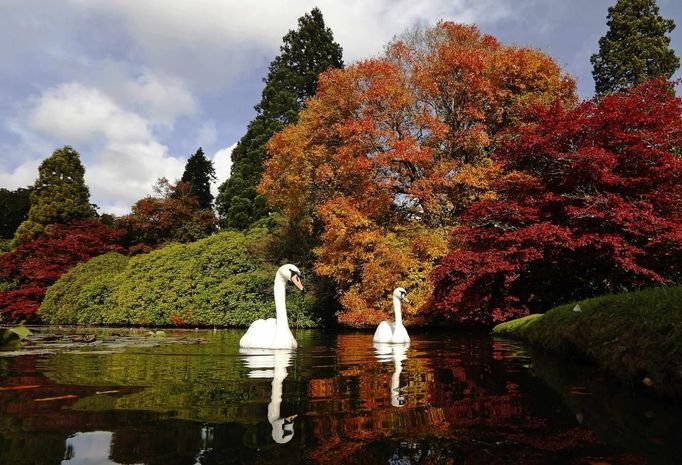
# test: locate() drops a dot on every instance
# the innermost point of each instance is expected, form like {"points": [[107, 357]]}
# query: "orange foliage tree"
{"points": [[390, 151]]}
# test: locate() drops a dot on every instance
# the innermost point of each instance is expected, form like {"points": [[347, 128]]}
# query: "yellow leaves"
{"points": [[391, 150]]}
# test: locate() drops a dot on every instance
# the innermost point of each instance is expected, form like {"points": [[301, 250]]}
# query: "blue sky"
{"points": [[137, 85]]}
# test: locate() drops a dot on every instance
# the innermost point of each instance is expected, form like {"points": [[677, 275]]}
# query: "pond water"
{"points": [[192, 398]]}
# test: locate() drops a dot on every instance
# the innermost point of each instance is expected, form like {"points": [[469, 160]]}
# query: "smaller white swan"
{"points": [[394, 332], [274, 333]]}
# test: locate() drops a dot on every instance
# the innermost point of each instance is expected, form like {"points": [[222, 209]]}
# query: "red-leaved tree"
{"points": [[591, 204], [27, 271], [173, 215]]}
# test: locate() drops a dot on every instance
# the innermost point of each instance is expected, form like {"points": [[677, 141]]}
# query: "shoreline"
{"points": [[636, 336]]}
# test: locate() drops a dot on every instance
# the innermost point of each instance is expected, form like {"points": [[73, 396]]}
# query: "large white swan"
{"points": [[386, 352], [394, 332], [274, 333], [278, 360]]}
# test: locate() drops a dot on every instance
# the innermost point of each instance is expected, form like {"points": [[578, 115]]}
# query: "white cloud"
{"points": [[21, 176], [122, 156], [207, 134], [78, 114], [121, 174], [161, 98], [210, 41], [222, 162]]}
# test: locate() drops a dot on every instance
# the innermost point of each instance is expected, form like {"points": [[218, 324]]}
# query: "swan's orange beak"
{"points": [[297, 281]]}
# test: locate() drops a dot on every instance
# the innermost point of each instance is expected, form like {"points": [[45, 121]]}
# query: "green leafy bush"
{"points": [[222, 280], [84, 294]]}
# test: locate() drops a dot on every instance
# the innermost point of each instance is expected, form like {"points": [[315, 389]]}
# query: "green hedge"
{"points": [[217, 281]]}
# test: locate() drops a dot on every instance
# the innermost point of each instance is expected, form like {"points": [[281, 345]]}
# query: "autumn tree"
{"points": [[292, 77], [591, 204], [199, 172], [391, 150], [173, 215], [14, 207], [28, 270], [635, 48], [59, 194]]}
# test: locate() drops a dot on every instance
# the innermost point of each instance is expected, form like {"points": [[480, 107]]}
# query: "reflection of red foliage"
{"points": [[37, 264], [592, 203], [467, 405]]}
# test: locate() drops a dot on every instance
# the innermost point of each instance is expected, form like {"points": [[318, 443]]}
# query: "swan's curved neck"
{"points": [[396, 310], [280, 301]]}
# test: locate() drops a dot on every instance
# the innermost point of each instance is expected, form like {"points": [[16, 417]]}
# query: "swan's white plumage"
{"points": [[274, 333], [394, 333], [259, 329], [384, 332]]}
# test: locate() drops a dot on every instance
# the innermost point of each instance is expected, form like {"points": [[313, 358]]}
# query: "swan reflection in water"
{"points": [[386, 352], [272, 363]]}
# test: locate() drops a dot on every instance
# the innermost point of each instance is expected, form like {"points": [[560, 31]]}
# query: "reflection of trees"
{"points": [[466, 398], [353, 405], [194, 382]]}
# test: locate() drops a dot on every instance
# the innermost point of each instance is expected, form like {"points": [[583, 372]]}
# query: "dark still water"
{"points": [[450, 399]]}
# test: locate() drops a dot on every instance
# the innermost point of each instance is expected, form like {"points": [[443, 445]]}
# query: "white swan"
{"points": [[394, 332], [274, 333], [278, 360], [397, 352]]}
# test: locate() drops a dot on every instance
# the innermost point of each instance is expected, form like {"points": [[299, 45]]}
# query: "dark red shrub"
{"points": [[591, 204], [32, 267]]}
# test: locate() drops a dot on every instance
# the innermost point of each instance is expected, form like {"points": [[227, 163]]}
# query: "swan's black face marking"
{"points": [[403, 296], [295, 273], [295, 278]]}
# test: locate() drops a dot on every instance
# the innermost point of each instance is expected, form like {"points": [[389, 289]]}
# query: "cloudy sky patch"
{"points": [[136, 86]]}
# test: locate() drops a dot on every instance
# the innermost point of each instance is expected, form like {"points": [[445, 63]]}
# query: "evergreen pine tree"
{"points": [[199, 172], [292, 77], [59, 194], [14, 206], [635, 48]]}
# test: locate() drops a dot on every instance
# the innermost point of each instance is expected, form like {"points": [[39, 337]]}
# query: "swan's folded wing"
{"points": [[260, 334], [383, 332]]}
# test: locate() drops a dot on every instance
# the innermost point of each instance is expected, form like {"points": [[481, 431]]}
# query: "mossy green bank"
{"points": [[637, 336]]}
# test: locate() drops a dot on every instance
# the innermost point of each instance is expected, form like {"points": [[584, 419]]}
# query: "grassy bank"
{"points": [[637, 336]]}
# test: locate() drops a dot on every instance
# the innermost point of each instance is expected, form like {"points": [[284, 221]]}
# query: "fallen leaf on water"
{"points": [[18, 388], [45, 399]]}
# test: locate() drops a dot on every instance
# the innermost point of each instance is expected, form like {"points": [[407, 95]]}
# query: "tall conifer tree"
{"points": [[59, 194], [14, 206], [199, 172], [292, 77], [635, 48]]}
